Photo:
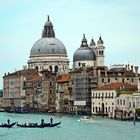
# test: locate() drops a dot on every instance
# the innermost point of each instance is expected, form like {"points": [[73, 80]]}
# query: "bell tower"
{"points": [[100, 52]]}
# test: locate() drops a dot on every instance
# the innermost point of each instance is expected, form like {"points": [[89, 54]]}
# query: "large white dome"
{"points": [[48, 46], [49, 52]]}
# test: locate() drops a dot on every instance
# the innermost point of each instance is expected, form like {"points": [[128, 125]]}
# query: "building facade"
{"points": [[41, 92], [63, 94], [13, 88], [49, 52], [126, 105], [89, 55], [104, 98]]}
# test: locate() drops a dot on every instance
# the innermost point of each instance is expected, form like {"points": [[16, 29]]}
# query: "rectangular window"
{"points": [[118, 102], [123, 102], [50, 83], [112, 95], [93, 109], [93, 95], [79, 64], [102, 80], [50, 91], [108, 80]]}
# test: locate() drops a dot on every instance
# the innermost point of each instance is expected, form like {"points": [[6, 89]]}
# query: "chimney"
{"points": [[136, 70], [4, 74], [128, 67], [132, 68]]}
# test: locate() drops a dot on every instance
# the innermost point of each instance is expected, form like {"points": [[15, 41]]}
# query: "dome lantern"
{"points": [[84, 42], [48, 30]]}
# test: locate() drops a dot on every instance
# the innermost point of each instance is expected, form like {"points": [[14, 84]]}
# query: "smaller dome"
{"points": [[84, 53], [92, 43], [100, 41]]}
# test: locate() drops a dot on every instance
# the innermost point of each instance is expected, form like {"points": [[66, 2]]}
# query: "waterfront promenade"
{"points": [[70, 129]]}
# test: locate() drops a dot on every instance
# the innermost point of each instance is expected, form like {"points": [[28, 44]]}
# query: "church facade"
{"points": [[49, 52], [89, 55]]}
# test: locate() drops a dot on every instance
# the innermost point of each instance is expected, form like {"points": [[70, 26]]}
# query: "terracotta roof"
{"points": [[22, 72], [64, 79], [118, 86]]}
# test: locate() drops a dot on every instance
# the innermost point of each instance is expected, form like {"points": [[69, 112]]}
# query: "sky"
{"points": [[22, 21]]}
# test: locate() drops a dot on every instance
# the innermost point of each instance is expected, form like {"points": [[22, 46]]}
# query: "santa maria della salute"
{"points": [[50, 53], [90, 87]]}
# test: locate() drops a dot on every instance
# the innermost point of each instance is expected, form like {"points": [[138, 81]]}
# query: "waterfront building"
{"points": [[49, 52], [83, 80], [49, 91], [88, 61], [33, 93], [126, 104], [119, 73], [63, 94], [13, 91], [104, 98], [41, 92], [48, 84]]}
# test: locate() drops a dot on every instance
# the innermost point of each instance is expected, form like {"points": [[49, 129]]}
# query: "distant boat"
{"points": [[35, 125], [8, 125], [86, 119], [22, 110], [10, 111]]}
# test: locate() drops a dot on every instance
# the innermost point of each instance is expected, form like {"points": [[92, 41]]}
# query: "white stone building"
{"points": [[103, 102], [49, 52], [89, 56], [103, 99], [126, 105]]}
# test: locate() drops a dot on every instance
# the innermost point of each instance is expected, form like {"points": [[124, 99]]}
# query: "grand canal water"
{"points": [[70, 129]]}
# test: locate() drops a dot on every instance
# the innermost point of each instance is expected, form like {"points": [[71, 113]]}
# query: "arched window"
{"points": [[56, 69], [51, 68], [102, 52], [36, 68]]}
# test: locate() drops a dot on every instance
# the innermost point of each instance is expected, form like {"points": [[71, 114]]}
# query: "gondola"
{"points": [[35, 125], [8, 125], [51, 124]]}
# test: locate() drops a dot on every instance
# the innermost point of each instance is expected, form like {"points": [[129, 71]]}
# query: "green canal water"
{"points": [[70, 129]]}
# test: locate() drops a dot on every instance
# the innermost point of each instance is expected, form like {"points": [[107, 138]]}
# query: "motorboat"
{"points": [[86, 119]]}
